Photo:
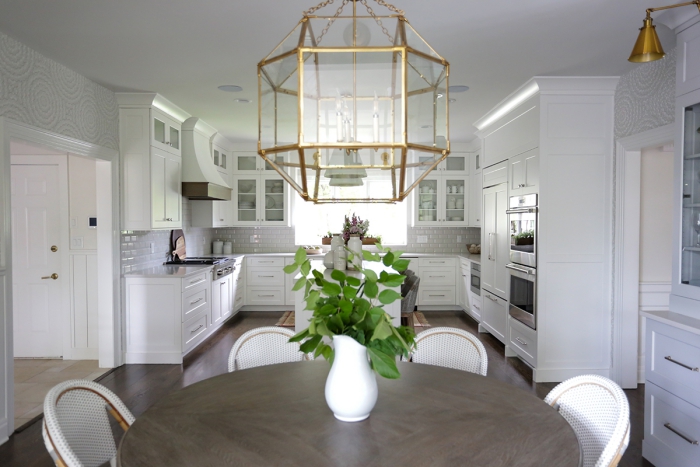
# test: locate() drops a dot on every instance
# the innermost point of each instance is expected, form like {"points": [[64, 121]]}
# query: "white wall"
{"points": [[656, 216], [83, 203]]}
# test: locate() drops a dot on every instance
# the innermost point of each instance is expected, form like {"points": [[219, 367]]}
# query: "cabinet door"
{"points": [[217, 303], [455, 201], [245, 193], [165, 132], [274, 199], [456, 163], [166, 190], [495, 241], [427, 201], [475, 200], [494, 316], [475, 162], [688, 60], [246, 162], [524, 173]]}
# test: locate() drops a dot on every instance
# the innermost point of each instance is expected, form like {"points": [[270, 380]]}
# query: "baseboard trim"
{"points": [[540, 375]]}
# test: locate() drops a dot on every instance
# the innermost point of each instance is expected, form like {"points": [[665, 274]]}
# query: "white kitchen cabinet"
{"points": [[211, 214], [463, 284], [495, 241], [166, 316], [524, 173], [672, 394], [165, 132], [456, 163], [222, 160], [442, 200], [494, 315], [438, 283], [523, 341], [688, 60], [151, 182], [265, 281], [475, 198], [221, 303], [260, 200], [238, 285], [475, 303]]}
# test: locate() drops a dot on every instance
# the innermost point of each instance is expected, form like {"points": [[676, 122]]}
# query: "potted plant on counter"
{"points": [[349, 310], [526, 237]]}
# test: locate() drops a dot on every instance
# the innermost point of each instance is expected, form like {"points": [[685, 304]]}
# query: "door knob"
{"points": [[53, 276], [54, 248]]}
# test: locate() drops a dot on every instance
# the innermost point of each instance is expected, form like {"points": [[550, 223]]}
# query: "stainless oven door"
{"points": [[523, 234], [475, 282], [523, 294]]}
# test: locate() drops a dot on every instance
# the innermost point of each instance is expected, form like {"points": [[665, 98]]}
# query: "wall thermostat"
{"points": [[92, 222]]}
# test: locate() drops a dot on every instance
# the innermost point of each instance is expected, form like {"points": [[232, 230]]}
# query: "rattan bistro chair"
{"points": [[76, 428], [264, 346], [598, 411], [451, 348]]}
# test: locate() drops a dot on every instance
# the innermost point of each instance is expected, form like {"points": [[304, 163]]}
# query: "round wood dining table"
{"points": [[277, 415]]}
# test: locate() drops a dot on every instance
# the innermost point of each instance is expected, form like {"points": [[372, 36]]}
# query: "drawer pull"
{"points": [[436, 276], [196, 282], [265, 261], [197, 301], [265, 276], [491, 298], [520, 341], [436, 295], [690, 440], [436, 262], [198, 328], [271, 295], [668, 357]]}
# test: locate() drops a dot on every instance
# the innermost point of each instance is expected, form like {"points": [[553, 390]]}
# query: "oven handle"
{"points": [[527, 271], [522, 211]]}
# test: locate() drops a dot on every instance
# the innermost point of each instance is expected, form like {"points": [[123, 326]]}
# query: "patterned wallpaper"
{"points": [[40, 92], [645, 97]]}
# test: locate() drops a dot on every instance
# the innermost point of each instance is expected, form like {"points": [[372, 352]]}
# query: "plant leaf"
{"points": [[345, 306], [325, 310], [338, 275], [349, 292], [311, 299], [367, 256], [384, 364], [300, 336], [290, 268], [299, 284], [322, 329], [331, 289], [305, 268], [300, 256], [382, 331], [354, 281], [388, 296], [388, 259], [401, 264], [310, 345], [370, 276], [371, 289], [394, 280]]}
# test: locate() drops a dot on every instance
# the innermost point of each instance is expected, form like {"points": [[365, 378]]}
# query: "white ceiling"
{"points": [[185, 49]]}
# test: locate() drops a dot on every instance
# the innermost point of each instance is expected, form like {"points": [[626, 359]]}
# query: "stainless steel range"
{"points": [[223, 266]]}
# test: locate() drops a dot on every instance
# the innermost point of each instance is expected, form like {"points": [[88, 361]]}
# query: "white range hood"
{"points": [[200, 179]]}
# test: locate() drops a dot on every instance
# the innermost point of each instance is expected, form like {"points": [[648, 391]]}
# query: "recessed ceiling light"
{"points": [[230, 88], [452, 100], [426, 126], [459, 88], [243, 101]]}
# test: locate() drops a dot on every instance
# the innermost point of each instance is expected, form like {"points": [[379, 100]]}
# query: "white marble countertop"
{"points": [[687, 323], [172, 270]]}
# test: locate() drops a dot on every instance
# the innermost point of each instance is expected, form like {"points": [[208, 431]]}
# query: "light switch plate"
{"points": [[76, 243], [422, 239], [73, 222], [153, 247]]}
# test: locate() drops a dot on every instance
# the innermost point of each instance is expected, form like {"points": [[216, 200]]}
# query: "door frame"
{"points": [[108, 253], [63, 246], [625, 364]]}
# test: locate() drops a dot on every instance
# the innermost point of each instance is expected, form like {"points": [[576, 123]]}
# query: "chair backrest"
{"points": [[409, 291], [451, 348], [598, 411], [264, 346], [76, 428]]}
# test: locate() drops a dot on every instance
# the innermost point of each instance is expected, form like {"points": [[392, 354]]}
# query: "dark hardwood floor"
{"points": [[140, 386]]}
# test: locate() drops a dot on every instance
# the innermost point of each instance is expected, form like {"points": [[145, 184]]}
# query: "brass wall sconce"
{"points": [[648, 47]]}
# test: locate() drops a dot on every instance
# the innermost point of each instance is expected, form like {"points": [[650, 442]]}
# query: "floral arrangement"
{"points": [[354, 226]]}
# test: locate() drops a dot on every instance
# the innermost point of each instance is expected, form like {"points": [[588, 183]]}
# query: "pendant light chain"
{"points": [[389, 6]]}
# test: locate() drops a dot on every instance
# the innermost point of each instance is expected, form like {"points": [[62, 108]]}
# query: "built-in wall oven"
{"points": [[523, 294], [522, 218], [475, 279]]}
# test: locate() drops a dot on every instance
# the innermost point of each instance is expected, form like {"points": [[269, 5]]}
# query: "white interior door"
{"points": [[35, 229]]}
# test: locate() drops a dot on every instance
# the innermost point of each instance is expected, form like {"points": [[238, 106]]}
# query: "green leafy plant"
{"points": [[525, 234], [353, 307]]}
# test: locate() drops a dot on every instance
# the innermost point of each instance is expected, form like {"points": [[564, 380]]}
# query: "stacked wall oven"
{"points": [[522, 269]]}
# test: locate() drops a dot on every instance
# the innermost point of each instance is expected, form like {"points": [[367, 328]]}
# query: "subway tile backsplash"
{"points": [[136, 252]]}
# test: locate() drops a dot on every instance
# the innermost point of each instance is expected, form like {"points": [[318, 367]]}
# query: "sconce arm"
{"points": [[668, 7]]}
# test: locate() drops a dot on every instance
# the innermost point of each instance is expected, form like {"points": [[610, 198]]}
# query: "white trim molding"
{"points": [[109, 298], [626, 287]]}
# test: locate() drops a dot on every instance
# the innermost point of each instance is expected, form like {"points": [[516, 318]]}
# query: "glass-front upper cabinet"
{"points": [[455, 163], [251, 162], [165, 132], [690, 222]]}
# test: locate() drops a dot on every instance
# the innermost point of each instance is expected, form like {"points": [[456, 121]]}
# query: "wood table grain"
{"points": [[277, 415]]}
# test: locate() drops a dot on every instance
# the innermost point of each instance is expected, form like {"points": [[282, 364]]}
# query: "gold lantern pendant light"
{"points": [[351, 97], [648, 47]]}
